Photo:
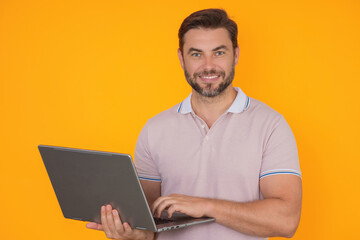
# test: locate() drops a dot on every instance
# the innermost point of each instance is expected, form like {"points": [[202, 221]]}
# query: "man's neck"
{"points": [[210, 109]]}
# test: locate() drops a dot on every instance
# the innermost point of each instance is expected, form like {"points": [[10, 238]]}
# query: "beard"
{"points": [[207, 91]]}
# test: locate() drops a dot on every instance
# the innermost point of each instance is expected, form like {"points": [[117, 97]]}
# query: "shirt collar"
{"points": [[240, 104]]}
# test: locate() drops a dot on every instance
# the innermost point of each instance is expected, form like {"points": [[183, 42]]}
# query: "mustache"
{"points": [[210, 72]]}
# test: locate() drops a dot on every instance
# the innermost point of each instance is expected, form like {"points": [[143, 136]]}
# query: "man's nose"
{"points": [[208, 63]]}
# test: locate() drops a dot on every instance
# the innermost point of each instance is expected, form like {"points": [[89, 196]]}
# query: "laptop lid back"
{"points": [[84, 180]]}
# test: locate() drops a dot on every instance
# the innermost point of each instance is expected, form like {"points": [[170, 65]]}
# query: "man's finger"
{"points": [[94, 226], [110, 219], [164, 205], [159, 208], [156, 203], [117, 221], [171, 210], [128, 230], [104, 221]]}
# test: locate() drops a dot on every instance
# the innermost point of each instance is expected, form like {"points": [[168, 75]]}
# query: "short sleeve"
{"points": [[144, 163], [280, 155]]}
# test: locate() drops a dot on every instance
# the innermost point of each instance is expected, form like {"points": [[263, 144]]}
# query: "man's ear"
{"points": [[181, 58], [237, 53]]}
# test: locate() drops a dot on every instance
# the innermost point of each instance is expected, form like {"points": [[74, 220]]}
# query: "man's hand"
{"points": [[115, 229], [192, 206], [278, 214]]}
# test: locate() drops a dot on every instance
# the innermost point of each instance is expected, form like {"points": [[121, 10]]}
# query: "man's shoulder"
{"points": [[261, 111], [165, 117]]}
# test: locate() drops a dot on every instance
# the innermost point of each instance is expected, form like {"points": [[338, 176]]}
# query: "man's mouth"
{"points": [[210, 77]]}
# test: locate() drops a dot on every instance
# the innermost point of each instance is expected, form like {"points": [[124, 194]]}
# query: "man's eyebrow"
{"points": [[220, 47], [215, 49], [194, 50]]}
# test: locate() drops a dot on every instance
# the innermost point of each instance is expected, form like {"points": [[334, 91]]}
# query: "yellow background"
{"points": [[88, 74]]}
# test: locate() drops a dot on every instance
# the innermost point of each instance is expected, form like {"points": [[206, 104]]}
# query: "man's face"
{"points": [[208, 60]]}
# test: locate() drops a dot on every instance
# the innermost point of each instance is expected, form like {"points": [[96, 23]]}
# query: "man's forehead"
{"points": [[205, 38]]}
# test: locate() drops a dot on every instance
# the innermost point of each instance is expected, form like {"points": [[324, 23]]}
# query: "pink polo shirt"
{"points": [[248, 142]]}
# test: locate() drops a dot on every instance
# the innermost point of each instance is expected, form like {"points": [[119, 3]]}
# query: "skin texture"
{"points": [[209, 53], [208, 61]]}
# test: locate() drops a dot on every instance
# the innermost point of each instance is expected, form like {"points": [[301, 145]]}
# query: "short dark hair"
{"points": [[211, 18]]}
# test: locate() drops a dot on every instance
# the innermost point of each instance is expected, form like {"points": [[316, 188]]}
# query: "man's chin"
{"points": [[210, 93], [211, 90], [209, 87]]}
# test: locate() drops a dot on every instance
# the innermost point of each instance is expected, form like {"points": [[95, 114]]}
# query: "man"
{"points": [[219, 153]]}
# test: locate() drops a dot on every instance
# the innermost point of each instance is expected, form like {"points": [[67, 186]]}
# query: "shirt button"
{"points": [[203, 126], [207, 138]]}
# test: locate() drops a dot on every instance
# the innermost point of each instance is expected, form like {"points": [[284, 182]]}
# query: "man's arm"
{"points": [[152, 190], [278, 214]]}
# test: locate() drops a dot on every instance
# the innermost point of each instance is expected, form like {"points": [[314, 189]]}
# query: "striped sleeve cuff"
{"points": [[280, 171], [155, 179]]}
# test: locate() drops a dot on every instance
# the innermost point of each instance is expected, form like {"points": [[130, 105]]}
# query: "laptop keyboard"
{"points": [[162, 220]]}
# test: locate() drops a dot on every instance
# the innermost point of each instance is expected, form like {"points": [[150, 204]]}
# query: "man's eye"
{"points": [[219, 53], [195, 54]]}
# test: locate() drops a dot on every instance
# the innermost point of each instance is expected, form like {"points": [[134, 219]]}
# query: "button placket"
{"points": [[202, 124]]}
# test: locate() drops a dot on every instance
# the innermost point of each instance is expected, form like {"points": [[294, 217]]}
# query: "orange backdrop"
{"points": [[88, 74]]}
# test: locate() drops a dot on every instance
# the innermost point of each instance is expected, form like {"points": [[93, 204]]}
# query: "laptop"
{"points": [[85, 180]]}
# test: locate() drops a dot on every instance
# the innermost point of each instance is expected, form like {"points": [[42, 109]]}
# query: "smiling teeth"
{"points": [[210, 77]]}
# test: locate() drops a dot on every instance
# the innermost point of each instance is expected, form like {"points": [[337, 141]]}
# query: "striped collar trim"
{"points": [[240, 104]]}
